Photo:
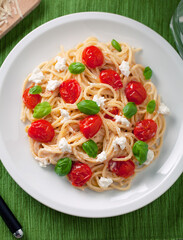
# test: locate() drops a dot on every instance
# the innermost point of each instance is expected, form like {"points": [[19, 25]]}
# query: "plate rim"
{"points": [[148, 198]]}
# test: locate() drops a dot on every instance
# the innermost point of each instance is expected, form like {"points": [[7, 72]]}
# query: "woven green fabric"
{"points": [[162, 219]]}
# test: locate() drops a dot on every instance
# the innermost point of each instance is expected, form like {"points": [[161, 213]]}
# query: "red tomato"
{"points": [[90, 125], [30, 100], [70, 90], [114, 111], [123, 169], [80, 173], [135, 92], [145, 129], [112, 78], [41, 131], [92, 57]]}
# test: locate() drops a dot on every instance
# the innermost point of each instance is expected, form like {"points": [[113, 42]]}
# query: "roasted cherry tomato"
{"points": [[145, 129], [90, 125], [92, 57], [41, 131], [70, 90], [135, 92], [112, 78], [114, 111], [30, 100], [123, 169], [80, 173]]}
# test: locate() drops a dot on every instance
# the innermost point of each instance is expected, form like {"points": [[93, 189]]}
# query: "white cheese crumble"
{"points": [[44, 164], [122, 120], [36, 76], [105, 182], [99, 100], [150, 157], [125, 68], [163, 109], [52, 85], [64, 146], [119, 141], [65, 115], [42, 161], [60, 64], [102, 157]]}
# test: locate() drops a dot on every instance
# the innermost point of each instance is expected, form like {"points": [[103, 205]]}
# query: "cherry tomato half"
{"points": [[135, 92], [145, 129], [123, 169], [92, 57], [30, 100], [114, 111], [70, 90], [112, 78], [41, 131], [80, 173], [90, 125]]}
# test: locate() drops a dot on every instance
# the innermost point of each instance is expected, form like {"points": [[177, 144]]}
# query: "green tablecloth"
{"points": [[162, 219]]}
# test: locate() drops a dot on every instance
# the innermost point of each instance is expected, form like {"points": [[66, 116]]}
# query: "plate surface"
{"points": [[43, 184]]}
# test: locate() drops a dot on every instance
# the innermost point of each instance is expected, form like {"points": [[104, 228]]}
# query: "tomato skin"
{"points": [[145, 129], [30, 100], [92, 57], [80, 173], [41, 131], [135, 92], [123, 169], [112, 78], [90, 125], [114, 111], [70, 90]]}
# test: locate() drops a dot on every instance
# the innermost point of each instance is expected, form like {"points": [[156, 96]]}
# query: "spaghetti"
{"points": [[68, 126]]}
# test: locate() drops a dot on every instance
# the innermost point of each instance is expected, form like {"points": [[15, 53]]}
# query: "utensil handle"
{"points": [[8, 217]]}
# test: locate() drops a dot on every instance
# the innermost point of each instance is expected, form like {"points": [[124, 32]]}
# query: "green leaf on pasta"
{"points": [[140, 150], [41, 110], [116, 45], [91, 148], [88, 107], [147, 73], [151, 106], [35, 90]]}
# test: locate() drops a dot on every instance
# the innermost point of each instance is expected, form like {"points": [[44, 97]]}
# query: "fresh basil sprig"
{"points": [[88, 107], [140, 150], [147, 73], [91, 148], [35, 90], [116, 45], [63, 166], [130, 109], [151, 106], [41, 110], [76, 67]]}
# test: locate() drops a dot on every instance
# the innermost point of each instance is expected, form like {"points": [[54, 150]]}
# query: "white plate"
{"points": [[43, 184]]}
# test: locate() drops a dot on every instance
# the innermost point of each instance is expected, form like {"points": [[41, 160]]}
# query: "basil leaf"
{"points": [[88, 107], [35, 90], [76, 68], [140, 150], [41, 110], [151, 106], [63, 166], [147, 73], [116, 45], [91, 148], [130, 109]]}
